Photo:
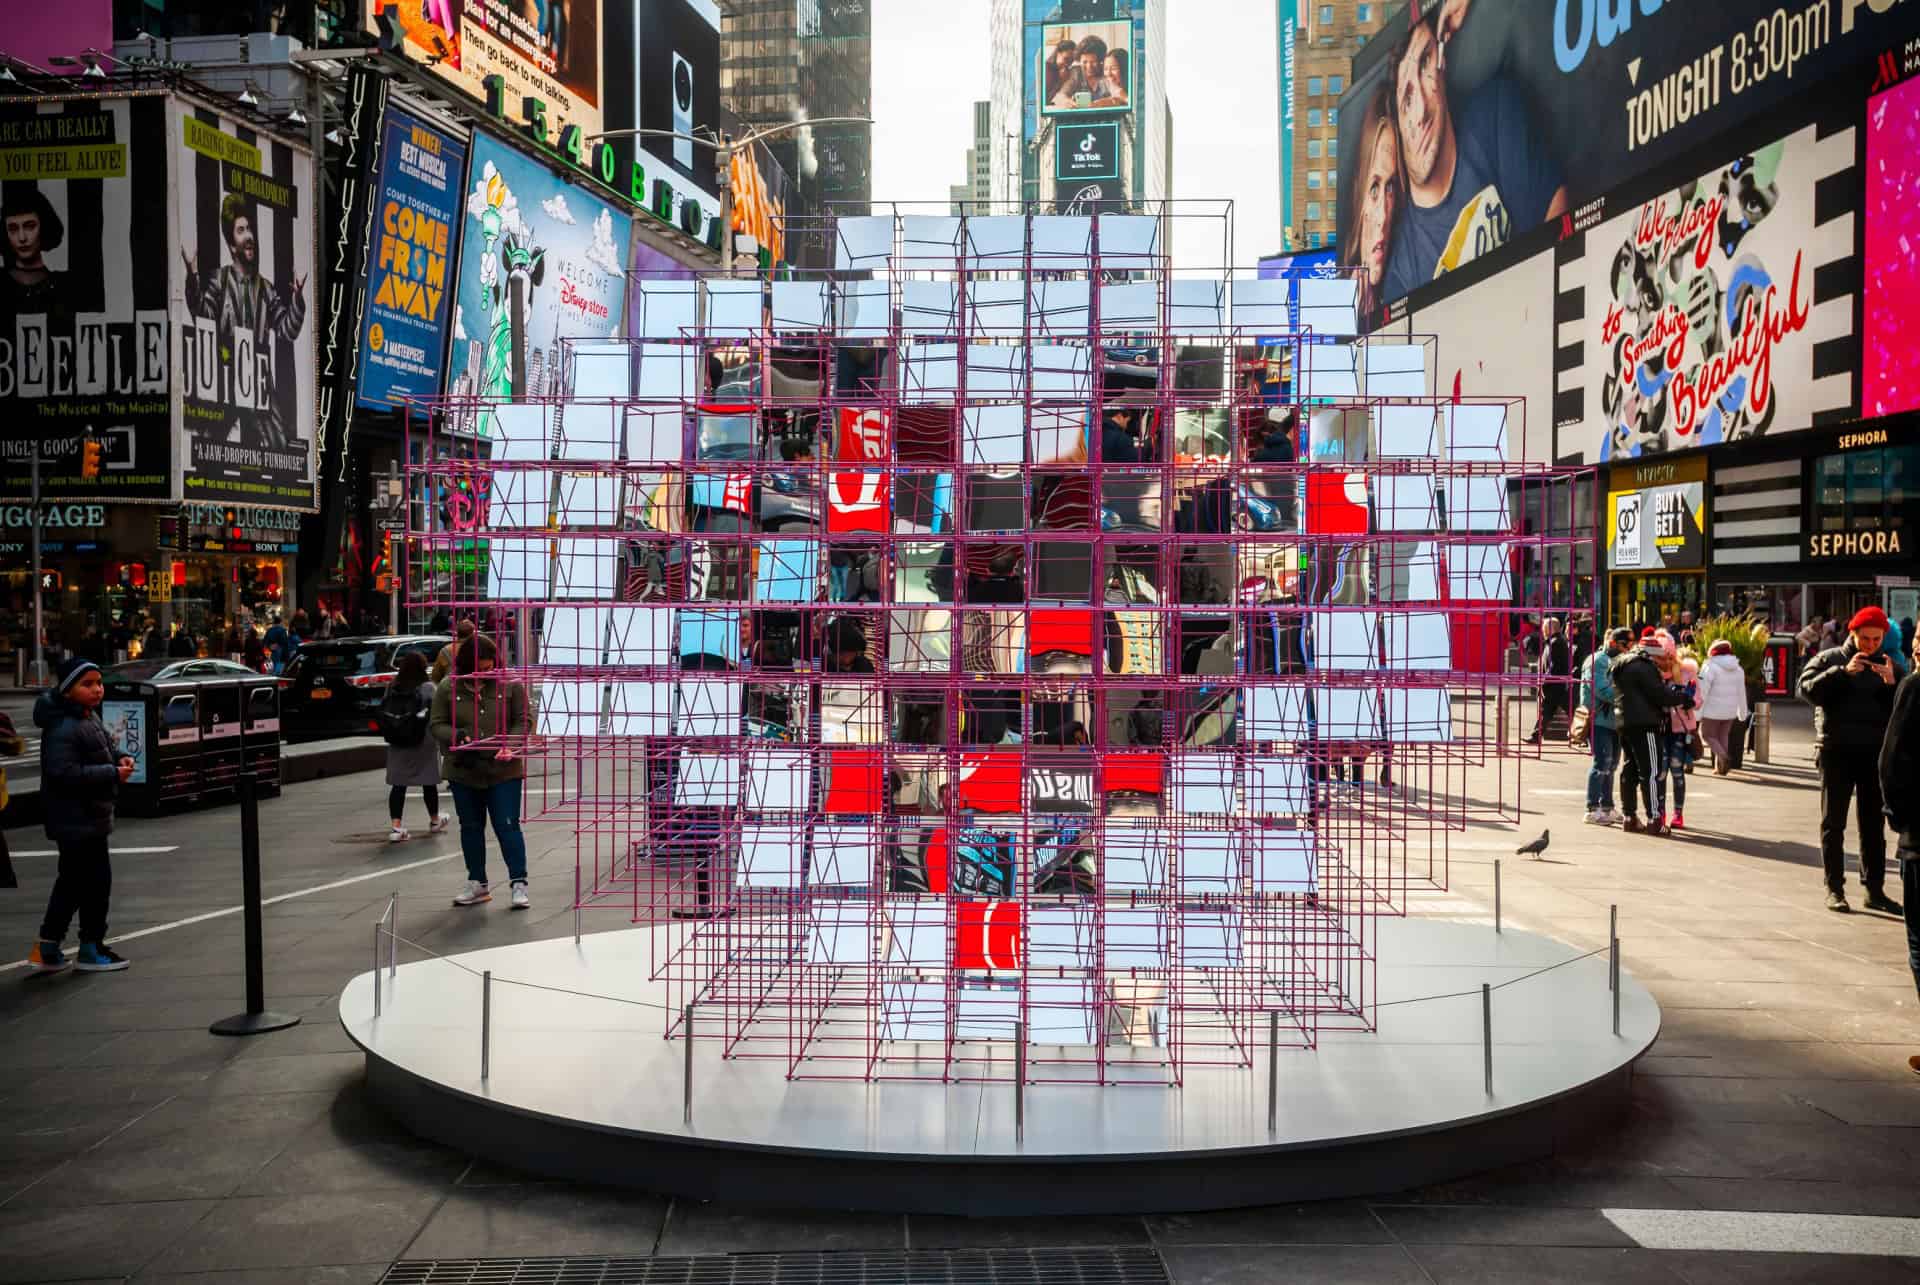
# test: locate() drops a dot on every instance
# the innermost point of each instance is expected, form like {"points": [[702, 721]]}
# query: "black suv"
{"points": [[334, 687]]}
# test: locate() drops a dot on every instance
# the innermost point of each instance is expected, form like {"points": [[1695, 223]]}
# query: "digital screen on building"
{"points": [[1890, 358], [1084, 67]]}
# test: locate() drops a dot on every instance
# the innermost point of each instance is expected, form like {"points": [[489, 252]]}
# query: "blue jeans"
{"points": [[1606, 753], [1910, 901], [473, 804], [1675, 757]]}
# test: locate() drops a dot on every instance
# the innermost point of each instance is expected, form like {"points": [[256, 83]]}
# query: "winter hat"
{"points": [[1868, 618], [70, 672], [1720, 647], [1653, 645]]}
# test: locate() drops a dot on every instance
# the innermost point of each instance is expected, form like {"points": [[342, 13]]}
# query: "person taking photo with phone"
{"points": [[1851, 689]]}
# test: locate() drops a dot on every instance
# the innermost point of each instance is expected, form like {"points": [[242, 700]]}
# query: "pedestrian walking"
{"points": [[1899, 770], [1723, 703], [11, 743], [443, 663], [413, 756], [81, 771], [1603, 731], [1556, 668], [1641, 699], [477, 719], [1851, 689]]}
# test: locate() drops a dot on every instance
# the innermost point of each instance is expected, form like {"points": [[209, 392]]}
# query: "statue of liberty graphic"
{"points": [[511, 269]]}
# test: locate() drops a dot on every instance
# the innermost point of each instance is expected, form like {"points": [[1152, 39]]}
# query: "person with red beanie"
{"points": [[1851, 689]]}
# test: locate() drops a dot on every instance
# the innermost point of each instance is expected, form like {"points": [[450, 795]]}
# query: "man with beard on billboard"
{"points": [[239, 298], [1474, 175]]}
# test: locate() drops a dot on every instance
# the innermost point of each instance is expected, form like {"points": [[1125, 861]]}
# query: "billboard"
{"points": [[416, 224], [243, 229], [1091, 196], [1890, 362], [543, 49], [1697, 317], [84, 357], [1658, 528], [541, 260], [1084, 67], [1088, 152], [663, 73], [1465, 131], [1495, 339]]}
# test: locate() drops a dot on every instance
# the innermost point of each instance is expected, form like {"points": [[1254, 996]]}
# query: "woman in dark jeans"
{"points": [[479, 720]]}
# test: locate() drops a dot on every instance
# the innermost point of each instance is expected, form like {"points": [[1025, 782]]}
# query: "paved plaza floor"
{"points": [[1774, 1133]]}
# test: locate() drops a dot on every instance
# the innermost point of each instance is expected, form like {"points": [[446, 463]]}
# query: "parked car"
{"points": [[334, 688], [160, 670]]}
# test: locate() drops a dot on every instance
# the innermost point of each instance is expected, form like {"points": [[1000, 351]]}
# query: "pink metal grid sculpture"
{"points": [[969, 641]]}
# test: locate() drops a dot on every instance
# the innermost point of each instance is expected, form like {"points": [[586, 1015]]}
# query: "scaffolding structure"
{"points": [[1001, 634]]}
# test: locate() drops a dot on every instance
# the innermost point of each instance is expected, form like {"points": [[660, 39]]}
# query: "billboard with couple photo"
{"points": [[1084, 67], [1470, 124]]}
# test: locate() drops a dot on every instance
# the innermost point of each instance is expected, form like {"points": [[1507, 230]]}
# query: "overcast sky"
{"points": [[930, 63]]}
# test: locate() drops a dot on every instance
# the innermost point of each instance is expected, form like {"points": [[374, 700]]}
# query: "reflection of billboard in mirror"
{"points": [[1085, 67]]}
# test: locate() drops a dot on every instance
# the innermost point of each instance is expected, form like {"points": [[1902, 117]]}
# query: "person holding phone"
{"points": [[479, 718], [1851, 689], [81, 771]]}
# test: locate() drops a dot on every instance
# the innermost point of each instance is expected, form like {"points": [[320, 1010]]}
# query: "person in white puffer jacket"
{"points": [[1723, 701]]}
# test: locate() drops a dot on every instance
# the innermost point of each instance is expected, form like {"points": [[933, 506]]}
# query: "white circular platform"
{"points": [[583, 1088]]}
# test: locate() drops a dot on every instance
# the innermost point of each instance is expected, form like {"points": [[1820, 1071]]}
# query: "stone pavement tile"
{"points": [[485, 1173], [1498, 1225], [1817, 1151], [1650, 1145], [317, 1230], [23, 1049], [1700, 1267], [1771, 1195], [115, 1017], [1786, 997], [1901, 1026], [1689, 1024], [1766, 1059], [1542, 1265], [1682, 1097], [295, 1073], [512, 1222], [931, 1231], [1329, 1222], [109, 1085], [695, 1227], [1548, 1183], [1866, 1103], [1322, 1264], [355, 1146], [353, 1274], [198, 1050], [181, 1149], [110, 1240], [318, 1033]]}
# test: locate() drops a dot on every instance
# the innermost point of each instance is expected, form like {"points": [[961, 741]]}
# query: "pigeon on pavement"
{"points": [[1535, 848]]}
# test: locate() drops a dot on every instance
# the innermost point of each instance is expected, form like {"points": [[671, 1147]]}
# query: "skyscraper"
{"points": [[782, 60], [1078, 113], [1317, 43], [973, 195]]}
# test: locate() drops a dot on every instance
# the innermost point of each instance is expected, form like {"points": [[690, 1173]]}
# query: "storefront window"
{"points": [[1871, 490]]}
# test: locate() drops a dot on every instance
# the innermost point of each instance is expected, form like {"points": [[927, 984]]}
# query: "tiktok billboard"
{"points": [[1706, 313], [243, 348], [1477, 128]]}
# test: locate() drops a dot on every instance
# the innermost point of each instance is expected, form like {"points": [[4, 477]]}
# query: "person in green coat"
{"points": [[479, 720]]}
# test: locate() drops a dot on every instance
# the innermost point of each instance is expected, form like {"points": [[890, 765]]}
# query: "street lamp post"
{"points": [[724, 147]]}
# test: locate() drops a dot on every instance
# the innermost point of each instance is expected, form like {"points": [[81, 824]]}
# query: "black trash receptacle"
{"points": [[222, 757], [159, 726]]}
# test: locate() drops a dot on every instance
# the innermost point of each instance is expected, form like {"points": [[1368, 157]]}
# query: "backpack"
{"points": [[402, 719]]}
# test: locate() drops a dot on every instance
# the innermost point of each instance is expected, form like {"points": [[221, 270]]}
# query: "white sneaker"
{"points": [[519, 900], [399, 834], [473, 894], [1593, 817], [439, 825], [1609, 817]]}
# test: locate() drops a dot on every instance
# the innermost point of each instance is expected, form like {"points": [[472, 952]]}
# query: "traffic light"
{"points": [[90, 453]]}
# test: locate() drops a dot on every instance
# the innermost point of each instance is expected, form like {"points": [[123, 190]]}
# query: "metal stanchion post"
{"points": [[256, 1020], [393, 937], [576, 905], [1613, 973], [1496, 894], [377, 925], [686, 1074], [1019, 1081], [1486, 1031], [486, 1024], [1273, 1071], [1613, 935]]}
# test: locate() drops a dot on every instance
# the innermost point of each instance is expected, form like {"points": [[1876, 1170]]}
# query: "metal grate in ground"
{"points": [[1132, 1266]]}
